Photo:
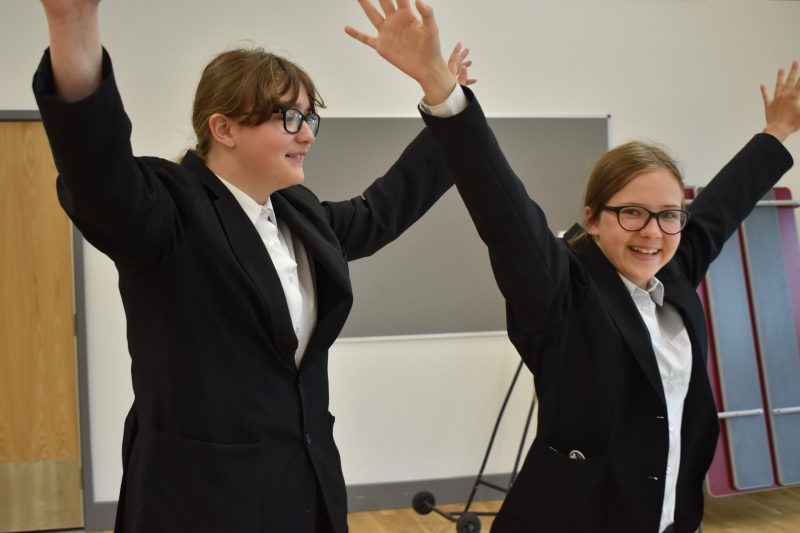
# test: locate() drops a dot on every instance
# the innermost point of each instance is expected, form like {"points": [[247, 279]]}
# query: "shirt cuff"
{"points": [[455, 104]]}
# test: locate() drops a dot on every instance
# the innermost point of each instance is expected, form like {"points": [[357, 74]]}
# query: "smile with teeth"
{"points": [[644, 251]]}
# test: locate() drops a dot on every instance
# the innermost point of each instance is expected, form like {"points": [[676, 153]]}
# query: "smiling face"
{"points": [[240, 137], [270, 155], [638, 255]]}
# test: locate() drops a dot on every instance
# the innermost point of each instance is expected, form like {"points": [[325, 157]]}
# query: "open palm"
{"points": [[409, 43], [782, 108]]}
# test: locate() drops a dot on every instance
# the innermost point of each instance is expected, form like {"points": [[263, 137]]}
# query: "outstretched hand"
{"points": [[459, 67], [411, 44], [782, 109]]}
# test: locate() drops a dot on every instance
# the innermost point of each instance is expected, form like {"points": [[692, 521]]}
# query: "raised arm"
{"points": [[727, 200], [530, 264], [75, 47], [420, 176], [120, 205]]}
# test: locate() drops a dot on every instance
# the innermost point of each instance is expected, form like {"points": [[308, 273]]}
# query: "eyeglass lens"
{"points": [[293, 121]]}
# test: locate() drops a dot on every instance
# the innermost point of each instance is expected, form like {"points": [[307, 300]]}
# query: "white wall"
{"points": [[682, 72]]}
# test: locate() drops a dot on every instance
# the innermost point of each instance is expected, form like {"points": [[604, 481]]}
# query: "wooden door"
{"points": [[40, 481]]}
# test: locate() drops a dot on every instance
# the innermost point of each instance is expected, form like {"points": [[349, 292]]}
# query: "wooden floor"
{"points": [[775, 511]]}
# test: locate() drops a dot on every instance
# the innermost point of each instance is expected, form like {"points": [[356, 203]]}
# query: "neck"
{"points": [[226, 167]]}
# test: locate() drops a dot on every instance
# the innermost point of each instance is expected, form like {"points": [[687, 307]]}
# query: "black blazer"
{"points": [[225, 434], [576, 327]]}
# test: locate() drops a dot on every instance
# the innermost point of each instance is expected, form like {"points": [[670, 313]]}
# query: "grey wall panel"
{"points": [[436, 277]]}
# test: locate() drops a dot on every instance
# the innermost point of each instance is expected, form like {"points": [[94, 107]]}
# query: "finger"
{"points": [[463, 74], [796, 67], [790, 81], [403, 4], [467, 64], [764, 95], [779, 81], [387, 6], [464, 54], [372, 13], [360, 36], [797, 84], [454, 60], [426, 12], [470, 81]]}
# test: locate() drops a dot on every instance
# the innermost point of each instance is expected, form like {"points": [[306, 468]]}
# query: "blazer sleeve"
{"points": [[531, 266], [727, 200], [118, 203], [392, 203]]}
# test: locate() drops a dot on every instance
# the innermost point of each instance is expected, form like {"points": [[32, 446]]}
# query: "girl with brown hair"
{"points": [[233, 277], [607, 318]]}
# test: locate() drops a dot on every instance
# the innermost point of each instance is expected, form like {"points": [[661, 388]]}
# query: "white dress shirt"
{"points": [[673, 351], [289, 257], [455, 104]]}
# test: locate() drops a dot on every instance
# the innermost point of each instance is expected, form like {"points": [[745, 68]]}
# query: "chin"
{"points": [[294, 180]]}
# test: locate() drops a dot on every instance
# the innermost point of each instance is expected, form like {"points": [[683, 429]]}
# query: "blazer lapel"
{"points": [[290, 208], [623, 311], [679, 292], [248, 249], [332, 280]]}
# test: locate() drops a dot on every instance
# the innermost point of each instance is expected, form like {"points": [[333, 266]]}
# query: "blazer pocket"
{"points": [[563, 494], [190, 485]]}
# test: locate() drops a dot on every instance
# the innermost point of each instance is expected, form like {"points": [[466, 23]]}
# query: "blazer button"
{"points": [[308, 439]]}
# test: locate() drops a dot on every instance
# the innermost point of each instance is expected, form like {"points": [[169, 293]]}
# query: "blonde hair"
{"points": [[246, 83], [616, 168]]}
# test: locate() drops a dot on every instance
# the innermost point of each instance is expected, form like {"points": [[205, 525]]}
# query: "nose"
{"points": [[305, 135], [651, 229]]}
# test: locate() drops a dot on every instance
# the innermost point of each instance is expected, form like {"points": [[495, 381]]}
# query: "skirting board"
{"points": [[395, 495]]}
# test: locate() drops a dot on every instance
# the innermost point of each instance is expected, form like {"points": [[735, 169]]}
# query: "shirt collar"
{"points": [[655, 289], [251, 208]]}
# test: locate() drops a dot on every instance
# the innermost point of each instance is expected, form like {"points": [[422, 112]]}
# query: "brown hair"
{"points": [[246, 83], [616, 168]]}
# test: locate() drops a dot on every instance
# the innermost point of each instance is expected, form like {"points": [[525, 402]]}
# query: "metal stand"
{"points": [[466, 521]]}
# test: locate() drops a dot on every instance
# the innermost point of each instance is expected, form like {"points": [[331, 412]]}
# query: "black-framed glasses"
{"points": [[293, 120], [634, 218]]}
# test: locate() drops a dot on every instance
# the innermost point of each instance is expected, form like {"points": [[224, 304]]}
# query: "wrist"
{"points": [[778, 131], [74, 17], [437, 84]]}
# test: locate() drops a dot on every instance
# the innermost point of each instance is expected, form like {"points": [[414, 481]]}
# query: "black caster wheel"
{"points": [[468, 523], [423, 502]]}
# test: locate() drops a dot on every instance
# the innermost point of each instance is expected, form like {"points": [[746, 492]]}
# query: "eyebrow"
{"points": [[661, 207], [293, 105]]}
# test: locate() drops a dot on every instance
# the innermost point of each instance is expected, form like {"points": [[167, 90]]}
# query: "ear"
{"points": [[220, 127], [590, 221]]}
